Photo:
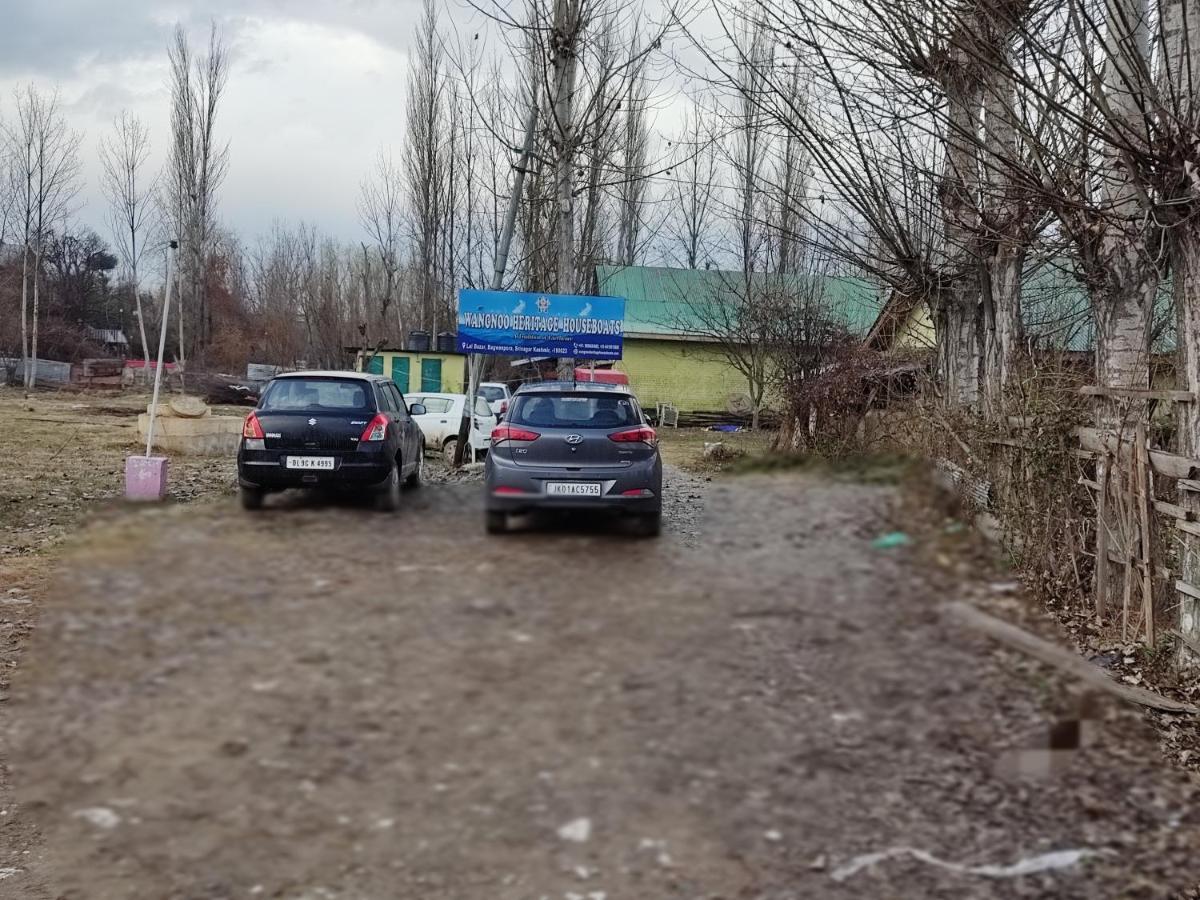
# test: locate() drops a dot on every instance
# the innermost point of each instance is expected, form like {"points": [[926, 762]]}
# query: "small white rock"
{"points": [[100, 816], [773, 835], [577, 831]]}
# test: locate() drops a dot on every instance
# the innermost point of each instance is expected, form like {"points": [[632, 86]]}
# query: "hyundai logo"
{"points": [[574, 439]]}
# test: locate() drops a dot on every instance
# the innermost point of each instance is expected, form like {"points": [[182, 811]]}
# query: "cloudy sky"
{"points": [[316, 89]]}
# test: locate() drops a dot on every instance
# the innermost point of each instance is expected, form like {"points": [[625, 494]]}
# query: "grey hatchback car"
{"points": [[583, 446]]}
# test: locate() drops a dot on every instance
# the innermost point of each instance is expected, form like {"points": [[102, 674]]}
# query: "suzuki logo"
{"points": [[574, 439], [312, 421]]}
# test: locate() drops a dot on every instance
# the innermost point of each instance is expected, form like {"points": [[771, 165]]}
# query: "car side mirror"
{"points": [[417, 409]]}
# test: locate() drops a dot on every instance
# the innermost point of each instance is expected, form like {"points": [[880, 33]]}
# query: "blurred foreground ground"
{"points": [[322, 702]]}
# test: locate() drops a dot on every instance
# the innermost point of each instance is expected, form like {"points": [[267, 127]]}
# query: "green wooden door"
{"points": [[400, 369], [375, 365], [431, 375]]}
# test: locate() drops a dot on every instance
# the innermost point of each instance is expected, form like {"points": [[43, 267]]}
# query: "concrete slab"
{"points": [[145, 477]]}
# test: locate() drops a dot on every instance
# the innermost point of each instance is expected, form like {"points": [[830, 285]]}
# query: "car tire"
{"points": [[496, 522], [649, 525], [388, 498], [414, 480], [448, 450], [251, 498]]}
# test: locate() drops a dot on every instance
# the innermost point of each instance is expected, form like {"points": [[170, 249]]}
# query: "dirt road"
{"points": [[321, 702]]}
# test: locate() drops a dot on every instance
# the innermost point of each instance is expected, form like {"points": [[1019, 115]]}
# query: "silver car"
{"points": [[574, 446]]}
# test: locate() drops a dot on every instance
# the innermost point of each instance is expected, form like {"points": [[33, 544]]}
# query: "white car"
{"points": [[497, 395], [443, 414]]}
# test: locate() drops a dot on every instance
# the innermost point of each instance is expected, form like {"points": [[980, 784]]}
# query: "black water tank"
{"points": [[446, 341], [418, 341]]}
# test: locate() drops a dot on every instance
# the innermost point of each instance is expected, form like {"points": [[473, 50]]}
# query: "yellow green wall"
{"points": [[452, 369], [692, 375], [917, 330]]}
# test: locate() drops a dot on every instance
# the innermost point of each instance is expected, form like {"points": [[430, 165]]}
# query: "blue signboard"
{"points": [[563, 325]]}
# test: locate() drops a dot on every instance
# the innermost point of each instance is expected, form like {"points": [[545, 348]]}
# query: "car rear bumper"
{"points": [[267, 469], [503, 479]]}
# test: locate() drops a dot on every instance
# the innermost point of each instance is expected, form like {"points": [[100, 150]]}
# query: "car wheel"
{"points": [[448, 450], [414, 480], [497, 522], [649, 525], [388, 499], [251, 498]]}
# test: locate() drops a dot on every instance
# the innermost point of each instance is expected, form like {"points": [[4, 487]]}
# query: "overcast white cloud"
{"points": [[316, 89]]}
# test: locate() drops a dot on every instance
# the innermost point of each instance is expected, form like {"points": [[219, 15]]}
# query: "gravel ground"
{"points": [[322, 702]]}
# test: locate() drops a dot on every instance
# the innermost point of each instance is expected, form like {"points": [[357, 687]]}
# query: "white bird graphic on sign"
{"points": [[520, 308], [587, 311]]}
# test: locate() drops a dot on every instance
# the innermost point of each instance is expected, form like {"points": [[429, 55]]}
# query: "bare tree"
{"points": [[381, 212], [196, 167], [634, 151], [130, 192], [570, 44], [45, 172], [693, 189], [428, 154]]}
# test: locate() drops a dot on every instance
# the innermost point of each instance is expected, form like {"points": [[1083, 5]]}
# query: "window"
{"points": [[316, 394], [491, 392], [574, 411], [437, 406], [481, 407], [386, 404], [397, 397]]}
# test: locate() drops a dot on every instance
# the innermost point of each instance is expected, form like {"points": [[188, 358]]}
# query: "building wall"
{"points": [[386, 363], [692, 375], [917, 330]]}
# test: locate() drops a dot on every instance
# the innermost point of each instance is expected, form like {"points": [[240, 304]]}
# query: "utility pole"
{"points": [[475, 360]]}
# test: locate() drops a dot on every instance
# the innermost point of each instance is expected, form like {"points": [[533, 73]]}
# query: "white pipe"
{"points": [[162, 344]]}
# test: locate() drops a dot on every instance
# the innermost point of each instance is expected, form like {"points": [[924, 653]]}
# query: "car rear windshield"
{"points": [[316, 394], [574, 411], [491, 392]]}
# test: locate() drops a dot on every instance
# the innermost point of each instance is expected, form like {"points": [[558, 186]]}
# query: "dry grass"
{"points": [[64, 458], [684, 447]]}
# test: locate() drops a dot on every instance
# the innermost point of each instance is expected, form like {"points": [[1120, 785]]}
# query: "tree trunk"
{"points": [[959, 298], [31, 368], [25, 315], [1003, 329], [565, 37], [1180, 67], [959, 346], [137, 299], [1186, 287]]}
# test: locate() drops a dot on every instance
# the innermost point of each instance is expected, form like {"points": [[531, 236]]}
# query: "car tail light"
{"points": [[509, 433], [251, 429], [503, 406], [508, 490], [376, 429], [643, 434], [638, 492]]}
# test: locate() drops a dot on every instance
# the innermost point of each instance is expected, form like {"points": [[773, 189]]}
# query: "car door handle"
{"points": [[444, 421]]}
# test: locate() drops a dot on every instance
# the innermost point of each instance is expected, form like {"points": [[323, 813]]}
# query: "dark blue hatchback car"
{"points": [[330, 430]]}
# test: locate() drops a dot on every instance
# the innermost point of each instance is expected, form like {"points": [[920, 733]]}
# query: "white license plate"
{"points": [[309, 462], [572, 489]]}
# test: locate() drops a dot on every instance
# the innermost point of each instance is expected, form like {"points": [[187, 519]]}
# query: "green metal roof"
{"points": [[660, 301], [1056, 309]]}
